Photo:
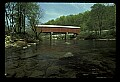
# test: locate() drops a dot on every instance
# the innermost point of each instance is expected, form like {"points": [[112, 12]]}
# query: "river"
{"points": [[60, 59]]}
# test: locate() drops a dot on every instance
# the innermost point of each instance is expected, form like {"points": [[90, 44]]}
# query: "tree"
{"points": [[18, 15], [97, 14], [15, 16], [111, 16], [9, 15], [34, 13]]}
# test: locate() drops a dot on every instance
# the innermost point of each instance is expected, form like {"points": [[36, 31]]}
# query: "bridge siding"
{"points": [[49, 29]]}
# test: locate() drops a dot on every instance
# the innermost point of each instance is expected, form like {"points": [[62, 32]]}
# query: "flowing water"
{"points": [[60, 59]]}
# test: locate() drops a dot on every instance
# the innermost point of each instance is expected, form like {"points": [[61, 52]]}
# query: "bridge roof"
{"points": [[57, 26]]}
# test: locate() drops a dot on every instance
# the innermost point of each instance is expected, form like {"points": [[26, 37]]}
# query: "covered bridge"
{"points": [[57, 29]]}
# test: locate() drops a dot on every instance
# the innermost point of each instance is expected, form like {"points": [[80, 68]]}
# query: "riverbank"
{"points": [[101, 39], [12, 41], [105, 39]]}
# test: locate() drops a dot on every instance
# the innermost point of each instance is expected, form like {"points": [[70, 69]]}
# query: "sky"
{"points": [[55, 10]]}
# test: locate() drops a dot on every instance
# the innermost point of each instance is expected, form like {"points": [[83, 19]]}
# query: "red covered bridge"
{"points": [[58, 29]]}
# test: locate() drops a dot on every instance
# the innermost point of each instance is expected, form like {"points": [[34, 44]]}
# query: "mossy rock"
{"points": [[21, 43], [37, 73], [53, 70]]}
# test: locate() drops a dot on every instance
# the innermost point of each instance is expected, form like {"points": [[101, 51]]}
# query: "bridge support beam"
{"points": [[51, 37], [66, 36]]}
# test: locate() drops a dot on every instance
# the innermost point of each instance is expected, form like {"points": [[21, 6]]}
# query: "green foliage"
{"points": [[20, 15], [101, 17], [87, 35]]}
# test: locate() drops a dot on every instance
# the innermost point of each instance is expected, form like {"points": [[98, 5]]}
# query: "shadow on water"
{"points": [[60, 59]]}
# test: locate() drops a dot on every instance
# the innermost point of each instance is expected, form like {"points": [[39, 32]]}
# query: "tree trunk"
{"points": [[36, 35], [100, 31], [18, 19], [24, 20], [100, 25], [12, 19], [7, 20]]}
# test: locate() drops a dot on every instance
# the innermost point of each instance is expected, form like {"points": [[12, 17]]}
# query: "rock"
{"points": [[7, 42], [21, 40], [24, 56], [7, 37], [70, 74], [32, 43], [52, 70], [20, 73], [68, 54], [12, 66], [21, 43], [29, 64], [8, 45], [14, 45], [28, 45], [67, 43], [37, 73]]}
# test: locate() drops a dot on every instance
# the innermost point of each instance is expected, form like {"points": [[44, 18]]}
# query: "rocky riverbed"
{"points": [[69, 65], [63, 61]]}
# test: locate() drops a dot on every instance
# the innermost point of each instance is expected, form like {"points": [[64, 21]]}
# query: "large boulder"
{"points": [[52, 71], [68, 54], [7, 38], [36, 73], [21, 43], [67, 43]]}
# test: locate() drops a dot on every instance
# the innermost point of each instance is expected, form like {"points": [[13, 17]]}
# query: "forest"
{"points": [[99, 22]]}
